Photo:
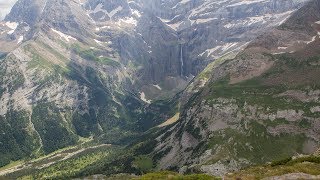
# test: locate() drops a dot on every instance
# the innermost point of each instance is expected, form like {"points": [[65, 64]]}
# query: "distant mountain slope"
{"points": [[259, 106]]}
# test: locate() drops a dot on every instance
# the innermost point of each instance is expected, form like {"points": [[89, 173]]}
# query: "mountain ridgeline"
{"points": [[193, 86]]}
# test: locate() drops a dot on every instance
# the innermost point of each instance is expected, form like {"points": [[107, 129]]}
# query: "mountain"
{"points": [[104, 72], [260, 106]]}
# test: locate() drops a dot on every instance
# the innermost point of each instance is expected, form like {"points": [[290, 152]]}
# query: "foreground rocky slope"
{"points": [[73, 71], [259, 106]]}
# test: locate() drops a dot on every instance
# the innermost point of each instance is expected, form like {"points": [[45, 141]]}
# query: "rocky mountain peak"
{"points": [[28, 11]]}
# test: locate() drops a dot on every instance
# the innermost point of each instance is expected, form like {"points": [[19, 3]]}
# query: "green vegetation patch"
{"points": [[18, 142], [308, 164], [37, 60], [93, 55], [55, 132], [256, 145], [143, 163], [70, 168], [53, 51]]}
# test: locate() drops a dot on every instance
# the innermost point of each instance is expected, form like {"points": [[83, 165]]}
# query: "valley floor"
{"points": [[63, 162]]}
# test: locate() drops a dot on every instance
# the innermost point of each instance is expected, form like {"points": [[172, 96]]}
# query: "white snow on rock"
{"points": [[220, 49], [20, 39], [157, 86], [313, 39], [199, 21], [227, 46], [27, 28], [184, 1], [210, 51], [136, 13], [81, 2], [278, 53], [13, 26], [143, 98], [98, 42], [64, 36], [127, 20], [247, 2], [249, 21], [109, 14], [10, 32]]}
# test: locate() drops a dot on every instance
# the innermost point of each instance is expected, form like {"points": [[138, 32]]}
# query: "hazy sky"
{"points": [[5, 6]]}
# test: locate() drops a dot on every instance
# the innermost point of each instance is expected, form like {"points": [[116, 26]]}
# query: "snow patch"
{"points": [[128, 20], [104, 27], [27, 28], [228, 46], [249, 21], [143, 98], [64, 36], [20, 39], [199, 21], [13, 26], [184, 1], [98, 42], [109, 14], [247, 2], [278, 53], [157, 86], [286, 16], [312, 40], [219, 49], [210, 51], [10, 32], [136, 13], [175, 26]]}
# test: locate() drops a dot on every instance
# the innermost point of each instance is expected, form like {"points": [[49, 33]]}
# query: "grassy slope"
{"points": [[66, 163], [307, 164]]}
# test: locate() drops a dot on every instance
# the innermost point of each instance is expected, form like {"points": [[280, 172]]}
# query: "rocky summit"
{"points": [[121, 88]]}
